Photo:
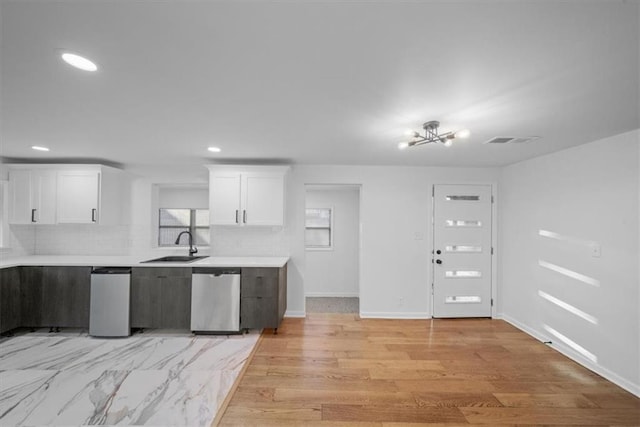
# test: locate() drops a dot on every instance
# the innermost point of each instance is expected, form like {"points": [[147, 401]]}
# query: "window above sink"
{"points": [[178, 208], [172, 222]]}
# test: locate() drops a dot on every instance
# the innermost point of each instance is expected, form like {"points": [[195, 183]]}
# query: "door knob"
{"points": [[438, 251], [438, 261]]}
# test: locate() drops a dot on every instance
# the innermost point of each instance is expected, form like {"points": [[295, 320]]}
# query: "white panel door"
{"points": [[462, 251], [224, 199], [263, 199], [78, 196]]}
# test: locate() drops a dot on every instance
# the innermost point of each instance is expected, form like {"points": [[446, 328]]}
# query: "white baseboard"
{"points": [[575, 356], [294, 314], [393, 315], [332, 294]]}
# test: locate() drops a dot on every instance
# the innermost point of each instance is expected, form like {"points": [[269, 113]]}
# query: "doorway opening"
{"points": [[332, 248]]}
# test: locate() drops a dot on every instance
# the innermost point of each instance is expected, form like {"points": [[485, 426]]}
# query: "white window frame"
{"points": [[331, 234], [192, 228]]}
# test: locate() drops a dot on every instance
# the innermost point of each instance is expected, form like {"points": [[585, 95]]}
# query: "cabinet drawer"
{"points": [[161, 272], [258, 312], [259, 287], [259, 282], [260, 272]]}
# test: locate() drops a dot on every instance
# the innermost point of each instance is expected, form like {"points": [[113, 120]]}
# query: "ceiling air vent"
{"points": [[500, 140], [524, 139], [511, 140]]}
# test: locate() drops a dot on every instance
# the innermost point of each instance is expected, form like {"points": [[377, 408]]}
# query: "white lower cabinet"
{"points": [[250, 195]]}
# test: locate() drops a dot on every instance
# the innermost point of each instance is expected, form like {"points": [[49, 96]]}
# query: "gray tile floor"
{"points": [[333, 305]]}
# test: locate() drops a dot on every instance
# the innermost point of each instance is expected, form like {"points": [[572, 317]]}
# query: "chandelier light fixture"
{"points": [[431, 135]]}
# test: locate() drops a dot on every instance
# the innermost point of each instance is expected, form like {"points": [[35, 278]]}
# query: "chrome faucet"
{"points": [[192, 249]]}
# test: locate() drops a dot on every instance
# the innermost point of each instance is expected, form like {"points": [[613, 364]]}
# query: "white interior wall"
{"points": [[588, 195], [395, 216], [334, 273], [183, 197]]}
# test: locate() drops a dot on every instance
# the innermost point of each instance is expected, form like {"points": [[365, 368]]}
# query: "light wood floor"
{"points": [[339, 370]]}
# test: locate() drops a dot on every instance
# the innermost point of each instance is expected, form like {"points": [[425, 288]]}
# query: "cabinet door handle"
{"points": [[244, 216], [33, 215], [93, 215], [237, 213]]}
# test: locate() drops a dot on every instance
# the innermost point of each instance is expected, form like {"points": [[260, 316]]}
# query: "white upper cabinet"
{"points": [[224, 198], [67, 194], [33, 196], [263, 199], [250, 195], [78, 197]]}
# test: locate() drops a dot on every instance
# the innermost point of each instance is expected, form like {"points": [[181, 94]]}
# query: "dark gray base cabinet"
{"points": [[66, 295], [161, 297], [51, 296], [31, 296], [44, 297], [263, 297], [9, 299]]}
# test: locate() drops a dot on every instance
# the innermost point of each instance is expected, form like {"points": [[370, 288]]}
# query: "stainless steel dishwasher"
{"points": [[215, 300], [109, 307]]}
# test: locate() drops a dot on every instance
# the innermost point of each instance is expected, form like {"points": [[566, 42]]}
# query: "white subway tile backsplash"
{"points": [[91, 239], [81, 239], [249, 241], [22, 241]]}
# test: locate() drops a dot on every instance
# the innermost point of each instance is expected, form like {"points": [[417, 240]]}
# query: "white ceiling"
{"points": [[314, 82]]}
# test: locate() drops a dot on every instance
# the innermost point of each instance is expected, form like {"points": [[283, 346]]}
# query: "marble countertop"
{"points": [[137, 261]]}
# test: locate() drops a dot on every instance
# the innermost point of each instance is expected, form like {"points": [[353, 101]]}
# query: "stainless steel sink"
{"points": [[176, 258]]}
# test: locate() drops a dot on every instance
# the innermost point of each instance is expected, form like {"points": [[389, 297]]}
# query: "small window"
{"points": [[174, 221], [465, 274], [463, 198], [319, 228], [462, 223], [462, 248], [462, 300]]}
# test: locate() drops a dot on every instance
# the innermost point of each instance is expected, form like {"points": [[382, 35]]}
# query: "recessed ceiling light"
{"points": [[79, 61], [214, 149], [39, 148]]}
